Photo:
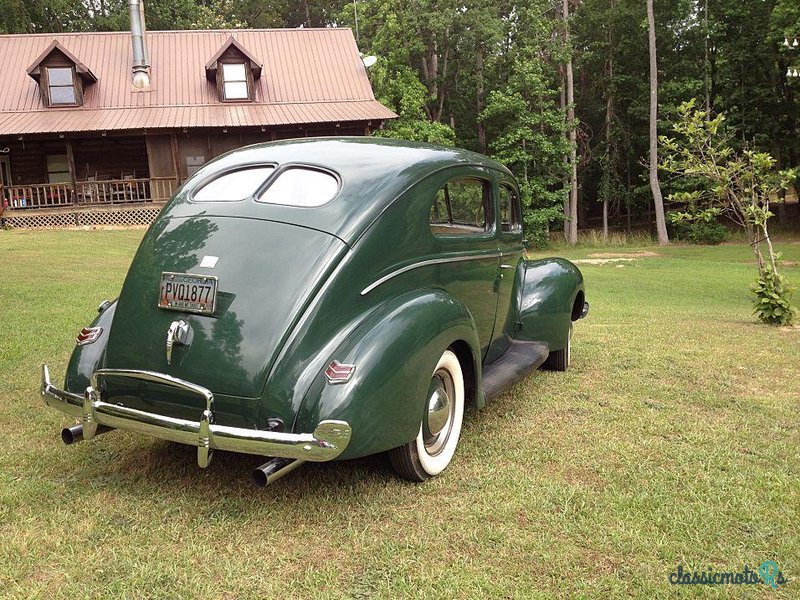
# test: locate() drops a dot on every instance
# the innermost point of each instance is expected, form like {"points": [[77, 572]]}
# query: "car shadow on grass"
{"points": [[166, 468]]}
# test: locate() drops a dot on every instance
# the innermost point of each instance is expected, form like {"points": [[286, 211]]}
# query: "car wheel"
{"points": [[433, 448], [559, 359]]}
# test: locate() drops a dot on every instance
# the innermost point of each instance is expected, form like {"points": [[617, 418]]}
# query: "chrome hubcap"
{"points": [[439, 414]]}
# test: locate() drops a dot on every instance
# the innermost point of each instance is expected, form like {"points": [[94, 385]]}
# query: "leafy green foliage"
{"points": [[739, 183], [697, 229], [773, 299], [528, 125]]}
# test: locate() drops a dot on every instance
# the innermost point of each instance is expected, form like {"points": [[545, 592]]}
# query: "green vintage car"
{"points": [[324, 299]]}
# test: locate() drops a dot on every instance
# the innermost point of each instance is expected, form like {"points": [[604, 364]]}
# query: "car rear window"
{"points": [[234, 186], [298, 186]]}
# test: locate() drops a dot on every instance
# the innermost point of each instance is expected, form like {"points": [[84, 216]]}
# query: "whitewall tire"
{"points": [[433, 448]]}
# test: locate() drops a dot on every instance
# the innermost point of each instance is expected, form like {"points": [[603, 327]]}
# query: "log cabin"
{"points": [[101, 128]]}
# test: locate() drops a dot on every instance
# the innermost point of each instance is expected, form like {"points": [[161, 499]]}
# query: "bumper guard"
{"points": [[328, 441]]}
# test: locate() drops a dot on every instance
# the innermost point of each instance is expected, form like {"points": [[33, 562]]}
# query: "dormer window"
{"points": [[61, 76], [234, 81], [235, 71], [61, 86]]}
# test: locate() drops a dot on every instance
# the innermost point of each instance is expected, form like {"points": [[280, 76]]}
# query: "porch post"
{"points": [[175, 157], [71, 163]]}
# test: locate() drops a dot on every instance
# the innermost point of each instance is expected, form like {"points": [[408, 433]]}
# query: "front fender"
{"points": [[86, 359], [546, 300], [395, 351]]}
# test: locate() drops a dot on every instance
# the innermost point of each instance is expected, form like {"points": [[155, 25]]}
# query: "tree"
{"points": [[655, 186], [526, 121], [571, 205], [739, 183]]}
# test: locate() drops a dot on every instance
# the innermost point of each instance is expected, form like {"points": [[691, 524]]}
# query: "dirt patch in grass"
{"points": [[642, 254], [602, 261], [604, 258]]}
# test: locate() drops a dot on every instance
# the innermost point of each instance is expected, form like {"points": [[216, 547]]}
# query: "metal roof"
{"points": [[309, 76]]}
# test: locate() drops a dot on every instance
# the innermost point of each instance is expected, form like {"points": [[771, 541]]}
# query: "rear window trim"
{"points": [[297, 165], [232, 169], [277, 170]]}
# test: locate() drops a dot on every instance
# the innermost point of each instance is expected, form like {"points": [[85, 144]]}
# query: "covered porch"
{"points": [[103, 192], [85, 172]]}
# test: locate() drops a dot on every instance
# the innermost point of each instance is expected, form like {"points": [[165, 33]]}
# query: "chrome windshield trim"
{"points": [[329, 439], [427, 263]]}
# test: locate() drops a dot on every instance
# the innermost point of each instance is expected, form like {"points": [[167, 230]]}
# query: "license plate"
{"points": [[188, 293]]}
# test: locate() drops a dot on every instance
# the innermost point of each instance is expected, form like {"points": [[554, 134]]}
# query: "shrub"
{"points": [[698, 226], [773, 296], [700, 232]]}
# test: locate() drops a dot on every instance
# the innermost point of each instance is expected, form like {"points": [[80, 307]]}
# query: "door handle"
{"points": [[504, 266]]}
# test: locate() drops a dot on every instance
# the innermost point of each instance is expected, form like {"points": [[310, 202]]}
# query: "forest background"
{"points": [[496, 76]]}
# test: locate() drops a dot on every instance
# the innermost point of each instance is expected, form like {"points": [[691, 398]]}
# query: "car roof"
{"points": [[373, 173]]}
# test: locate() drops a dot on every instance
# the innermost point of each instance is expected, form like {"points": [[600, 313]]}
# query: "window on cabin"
{"points": [[58, 169], [61, 86], [234, 81], [460, 208]]}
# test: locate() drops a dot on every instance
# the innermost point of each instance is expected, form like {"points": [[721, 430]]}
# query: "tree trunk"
{"points": [[479, 99], [706, 78], [563, 104], [610, 162], [655, 186], [572, 214]]}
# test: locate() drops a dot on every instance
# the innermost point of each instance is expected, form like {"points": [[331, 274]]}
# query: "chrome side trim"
{"points": [[329, 439], [427, 263]]}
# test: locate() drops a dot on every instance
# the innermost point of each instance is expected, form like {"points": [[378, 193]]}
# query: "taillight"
{"points": [[88, 335]]}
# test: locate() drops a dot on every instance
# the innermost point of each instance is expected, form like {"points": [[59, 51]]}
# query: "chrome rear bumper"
{"points": [[328, 440]]}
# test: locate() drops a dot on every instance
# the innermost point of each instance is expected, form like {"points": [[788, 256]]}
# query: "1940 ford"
{"points": [[324, 299]]}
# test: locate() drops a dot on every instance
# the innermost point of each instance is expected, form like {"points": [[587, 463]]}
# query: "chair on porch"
{"points": [[90, 191], [124, 191]]}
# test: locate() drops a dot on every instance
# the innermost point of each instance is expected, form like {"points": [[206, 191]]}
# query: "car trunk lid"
{"points": [[267, 273]]}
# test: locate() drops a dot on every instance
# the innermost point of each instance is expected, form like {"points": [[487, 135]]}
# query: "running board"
{"points": [[520, 360]]}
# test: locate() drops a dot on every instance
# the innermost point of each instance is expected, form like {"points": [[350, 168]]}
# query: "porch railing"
{"points": [[101, 192]]}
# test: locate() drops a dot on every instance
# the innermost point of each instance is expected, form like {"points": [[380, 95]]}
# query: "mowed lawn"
{"points": [[673, 440]]}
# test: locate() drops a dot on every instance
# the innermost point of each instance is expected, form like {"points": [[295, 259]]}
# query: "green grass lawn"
{"points": [[673, 439]]}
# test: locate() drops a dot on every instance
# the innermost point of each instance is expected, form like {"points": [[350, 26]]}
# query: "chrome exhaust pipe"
{"points": [[273, 470], [74, 434]]}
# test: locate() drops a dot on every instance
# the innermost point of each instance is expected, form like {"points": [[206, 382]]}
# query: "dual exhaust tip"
{"points": [[266, 474]]}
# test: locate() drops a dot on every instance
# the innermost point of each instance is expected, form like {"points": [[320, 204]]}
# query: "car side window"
{"points": [[461, 208], [510, 220]]}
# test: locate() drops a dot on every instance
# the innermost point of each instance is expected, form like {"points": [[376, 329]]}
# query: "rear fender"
{"points": [[546, 298], [86, 359], [395, 351]]}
